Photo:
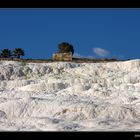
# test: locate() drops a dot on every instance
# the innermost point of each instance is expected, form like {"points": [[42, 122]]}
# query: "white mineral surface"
{"points": [[65, 96]]}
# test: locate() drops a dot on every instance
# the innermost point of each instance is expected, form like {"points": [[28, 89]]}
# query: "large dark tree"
{"points": [[18, 52], [65, 47], [6, 53]]}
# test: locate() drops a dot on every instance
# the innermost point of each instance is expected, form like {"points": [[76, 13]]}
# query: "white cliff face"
{"points": [[64, 96]]}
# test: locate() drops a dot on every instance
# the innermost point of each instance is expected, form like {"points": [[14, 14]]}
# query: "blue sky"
{"points": [[94, 32]]}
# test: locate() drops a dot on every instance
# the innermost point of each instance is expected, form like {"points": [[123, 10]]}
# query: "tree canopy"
{"points": [[6, 53], [18, 52], [65, 47]]}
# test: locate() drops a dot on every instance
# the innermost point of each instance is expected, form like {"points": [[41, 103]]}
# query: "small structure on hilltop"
{"points": [[62, 56], [65, 52]]}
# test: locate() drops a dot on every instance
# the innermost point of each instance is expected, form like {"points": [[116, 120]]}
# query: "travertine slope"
{"points": [[65, 96]]}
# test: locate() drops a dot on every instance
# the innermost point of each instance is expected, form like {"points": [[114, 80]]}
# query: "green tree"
{"points": [[18, 52], [6, 53], [65, 47]]}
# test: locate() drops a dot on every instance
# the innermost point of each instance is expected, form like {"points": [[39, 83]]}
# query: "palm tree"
{"points": [[6, 53], [18, 52]]}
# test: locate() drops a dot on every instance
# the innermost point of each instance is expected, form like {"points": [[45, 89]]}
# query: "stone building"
{"points": [[62, 56]]}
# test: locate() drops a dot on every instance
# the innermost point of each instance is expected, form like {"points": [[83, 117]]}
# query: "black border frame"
{"points": [[71, 4]]}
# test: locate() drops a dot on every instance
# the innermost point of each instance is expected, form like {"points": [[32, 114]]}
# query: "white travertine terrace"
{"points": [[66, 96]]}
